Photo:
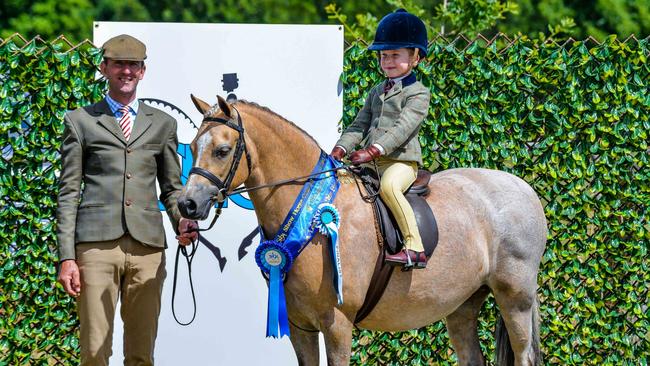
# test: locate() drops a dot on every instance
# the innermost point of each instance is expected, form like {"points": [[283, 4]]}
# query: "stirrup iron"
{"points": [[409, 263]]}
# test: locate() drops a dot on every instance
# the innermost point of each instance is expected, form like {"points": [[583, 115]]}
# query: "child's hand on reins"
{"points": [[338, 153], [365, 155]]}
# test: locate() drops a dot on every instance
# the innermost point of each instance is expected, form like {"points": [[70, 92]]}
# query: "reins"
{"points": [[372, 196], [284, 181]]}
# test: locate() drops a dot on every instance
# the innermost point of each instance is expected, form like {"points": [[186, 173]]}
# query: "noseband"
{"points": [[240, 149]]}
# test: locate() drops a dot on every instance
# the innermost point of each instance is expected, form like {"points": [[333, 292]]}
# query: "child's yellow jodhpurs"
{"points": [[396, 177]]}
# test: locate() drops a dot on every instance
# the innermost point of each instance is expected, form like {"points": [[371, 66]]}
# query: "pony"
{"points": [[492, 234]]}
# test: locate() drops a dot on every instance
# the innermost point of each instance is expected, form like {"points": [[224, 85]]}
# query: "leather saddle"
{"points": [[390, 233], [415, 195]]}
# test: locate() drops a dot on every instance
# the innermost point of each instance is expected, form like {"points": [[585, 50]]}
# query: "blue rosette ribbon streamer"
{"points": [[274, 259], [328, 220]]}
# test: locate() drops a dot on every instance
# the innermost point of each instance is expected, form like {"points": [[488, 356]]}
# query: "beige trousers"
{"points": [[126, 269], [396, 177]]}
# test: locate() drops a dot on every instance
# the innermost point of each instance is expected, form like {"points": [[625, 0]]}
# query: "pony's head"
{"points": [[221, 159]]}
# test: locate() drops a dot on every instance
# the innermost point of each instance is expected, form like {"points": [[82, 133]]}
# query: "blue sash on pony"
{"points": [[311, 212]]}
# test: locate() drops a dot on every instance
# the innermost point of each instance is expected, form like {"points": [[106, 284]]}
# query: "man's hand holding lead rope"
{"points": [[188, 230]]}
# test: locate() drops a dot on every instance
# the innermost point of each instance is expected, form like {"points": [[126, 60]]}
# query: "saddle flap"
{"points": [[427, 225], [415, 195]]}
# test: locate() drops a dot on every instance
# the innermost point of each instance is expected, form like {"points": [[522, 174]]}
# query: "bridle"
{"points": [[240, 149]]}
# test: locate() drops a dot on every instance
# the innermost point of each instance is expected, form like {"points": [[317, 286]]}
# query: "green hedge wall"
{"points": [[39, 83], [573, 120]]}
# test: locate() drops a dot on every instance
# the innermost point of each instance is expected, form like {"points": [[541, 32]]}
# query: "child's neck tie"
{"points": [[389, 85]]}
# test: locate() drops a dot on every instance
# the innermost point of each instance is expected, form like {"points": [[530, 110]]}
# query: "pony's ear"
{"points": [[199, 104], [224, 106]]}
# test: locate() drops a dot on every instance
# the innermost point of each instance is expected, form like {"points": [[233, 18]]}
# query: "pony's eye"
{"points": [[221, 152]]}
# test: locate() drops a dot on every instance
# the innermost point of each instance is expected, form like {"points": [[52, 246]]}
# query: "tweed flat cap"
{"points": [[124, 47]]}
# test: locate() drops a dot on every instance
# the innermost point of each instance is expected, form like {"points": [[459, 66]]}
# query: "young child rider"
{"points": [[388, 124]]}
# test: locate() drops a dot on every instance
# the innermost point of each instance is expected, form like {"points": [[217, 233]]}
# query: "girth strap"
{"points": [[382, 272], [378, 283]]}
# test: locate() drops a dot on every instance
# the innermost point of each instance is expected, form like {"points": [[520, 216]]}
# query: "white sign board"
{"points": [[295, 71]]}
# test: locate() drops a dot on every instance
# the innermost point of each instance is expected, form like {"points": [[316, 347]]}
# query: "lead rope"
{"points": [[182, 249]]}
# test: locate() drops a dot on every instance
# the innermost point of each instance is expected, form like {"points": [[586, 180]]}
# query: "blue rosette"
{"points": [[327, 221], [274, 259], [271, 254], [327, 218]]}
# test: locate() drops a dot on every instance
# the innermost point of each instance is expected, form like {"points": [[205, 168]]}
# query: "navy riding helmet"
{"points": [[400, 29]]}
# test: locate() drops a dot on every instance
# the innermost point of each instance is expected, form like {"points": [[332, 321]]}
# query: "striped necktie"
{"points": [[126, 123], [389, 85]]}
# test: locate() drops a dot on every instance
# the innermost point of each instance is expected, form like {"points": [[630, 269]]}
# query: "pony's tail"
{"points": [[505, 355]]}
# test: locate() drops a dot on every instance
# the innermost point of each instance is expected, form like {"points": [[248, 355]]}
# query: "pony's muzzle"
{"points": [[187, 207], [190, 209]]}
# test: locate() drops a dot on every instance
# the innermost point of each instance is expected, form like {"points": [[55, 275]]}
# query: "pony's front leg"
{"points": [[338, 339], [305, 344]]}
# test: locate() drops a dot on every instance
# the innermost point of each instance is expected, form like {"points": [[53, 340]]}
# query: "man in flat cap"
{"points": [[110, 231]]}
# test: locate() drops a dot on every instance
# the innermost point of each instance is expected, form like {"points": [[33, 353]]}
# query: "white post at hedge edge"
{"points": [[295, 71]]}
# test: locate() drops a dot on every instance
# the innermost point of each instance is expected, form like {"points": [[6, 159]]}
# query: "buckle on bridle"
{"points": [[221, 196]]}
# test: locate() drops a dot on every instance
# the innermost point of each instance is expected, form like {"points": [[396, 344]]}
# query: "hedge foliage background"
{"points": [[40, 81], [572, 120]]}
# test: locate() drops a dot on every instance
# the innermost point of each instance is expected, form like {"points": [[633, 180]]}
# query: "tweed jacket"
{"points": [[107, 186], [391, 119]]}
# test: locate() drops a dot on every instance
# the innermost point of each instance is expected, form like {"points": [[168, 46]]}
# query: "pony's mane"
{"points": [[266, 110]]}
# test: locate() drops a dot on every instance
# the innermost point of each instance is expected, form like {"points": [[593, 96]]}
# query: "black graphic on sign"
{"points": [[246, 242], [230, 83]]}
